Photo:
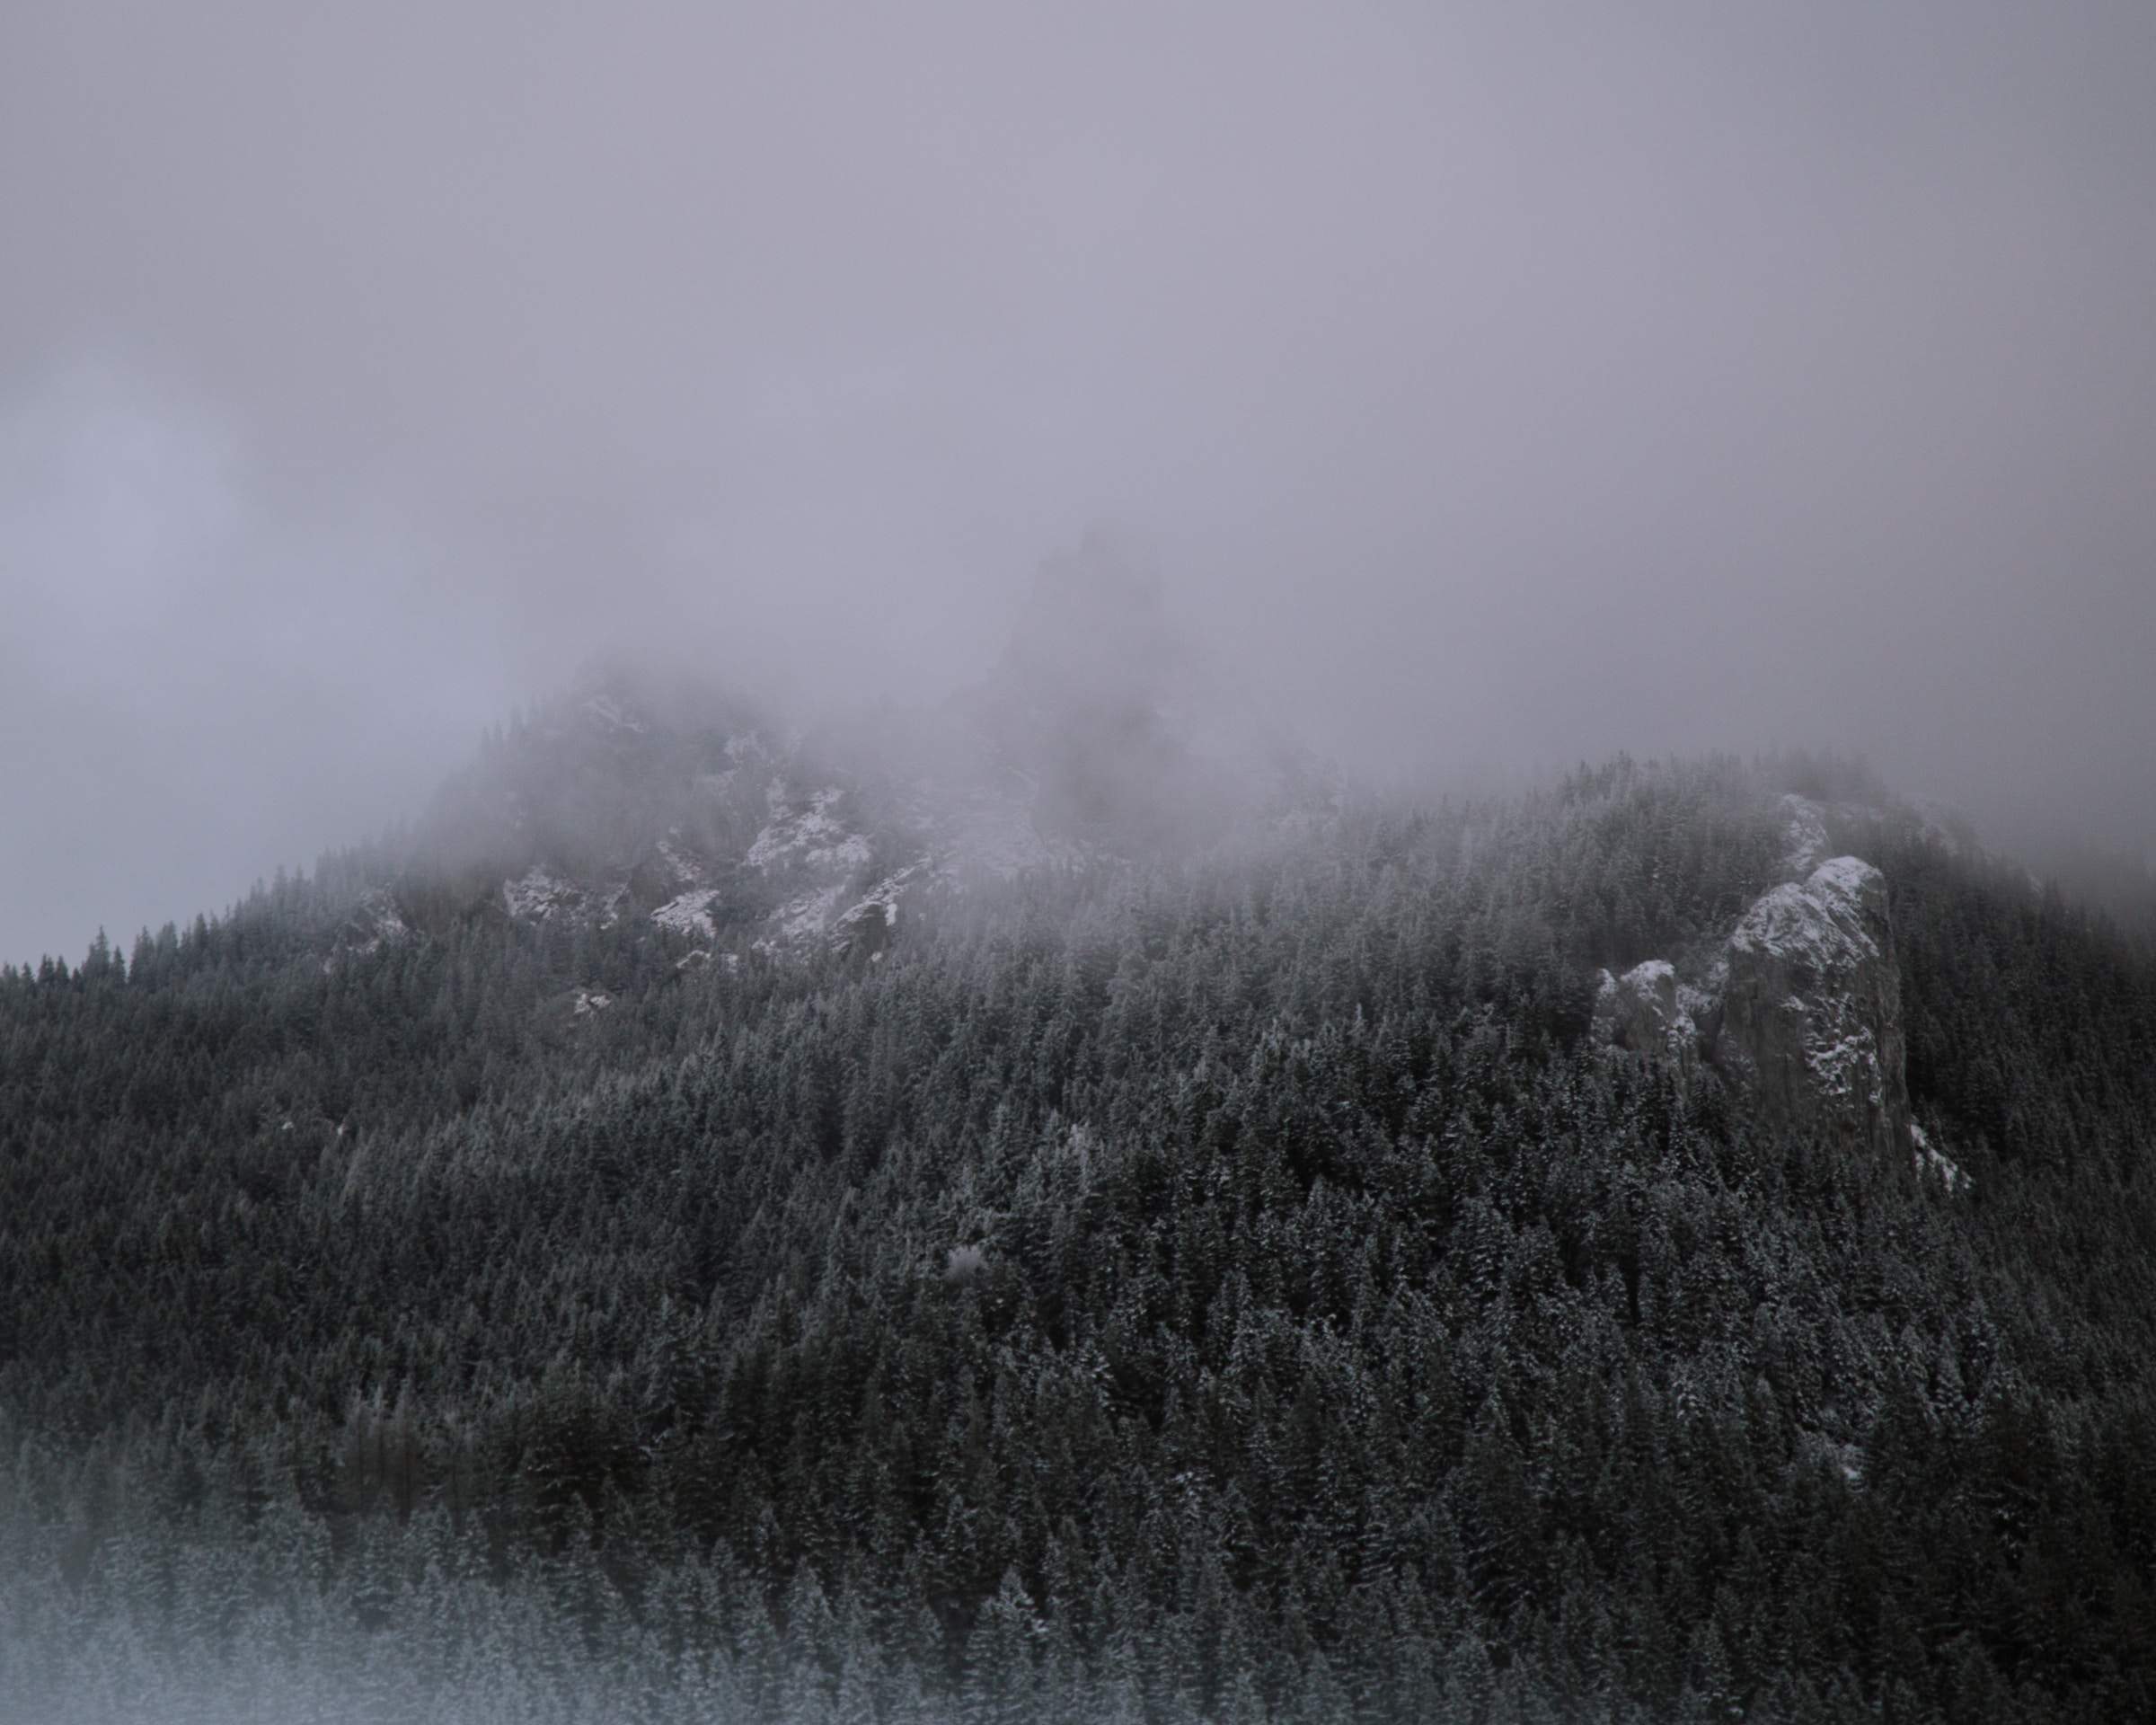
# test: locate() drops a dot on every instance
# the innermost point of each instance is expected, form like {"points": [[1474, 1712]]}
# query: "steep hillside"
{"points": [[1490, 1261]]}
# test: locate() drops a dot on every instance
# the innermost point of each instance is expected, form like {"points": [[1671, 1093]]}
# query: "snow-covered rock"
{"points": [[1809, 1018], [1648, 1011], [539, 895], [677, 863], [867, 926], [809, 914], [1800, 1008], [631, 800], [811, 835], [689, 914]]}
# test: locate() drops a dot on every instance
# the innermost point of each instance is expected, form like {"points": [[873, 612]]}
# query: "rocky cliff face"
{"points": [[1801, 1007], [601, 812], [1809, 1001]]}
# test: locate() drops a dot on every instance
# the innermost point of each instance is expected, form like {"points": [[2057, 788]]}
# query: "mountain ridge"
{"points": [[1251, 1266]]}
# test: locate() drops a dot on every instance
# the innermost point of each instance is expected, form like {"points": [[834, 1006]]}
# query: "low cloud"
{"points": [[1490, 384]]}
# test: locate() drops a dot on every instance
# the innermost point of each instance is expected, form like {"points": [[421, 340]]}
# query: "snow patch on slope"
{"points": [[539, 894], [801, 918], [871, 919], [883, 897], [1820, 922], [681, 867], [812, 835], [1929, 1160], [690, 914]]}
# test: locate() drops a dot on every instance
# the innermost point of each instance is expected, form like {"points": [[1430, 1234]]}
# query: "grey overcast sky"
{"points": [[1492, 383]]}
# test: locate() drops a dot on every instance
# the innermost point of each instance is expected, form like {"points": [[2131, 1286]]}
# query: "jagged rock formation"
{"points": [[633, 802], [1800, 1008], [621, 806], [1810, 1006]]}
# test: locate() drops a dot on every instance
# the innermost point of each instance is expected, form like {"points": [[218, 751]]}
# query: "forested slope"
{"points": [[1232, 1286]]}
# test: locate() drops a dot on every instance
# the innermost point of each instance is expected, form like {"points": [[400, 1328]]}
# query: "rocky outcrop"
{"points": [[539, 895], [637, 802], [1801, 1007], [1810, 1006], [372, 924], [1648, 1011]]}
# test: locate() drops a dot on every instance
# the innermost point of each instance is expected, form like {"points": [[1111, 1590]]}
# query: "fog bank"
{"points": [[1489, 385]]}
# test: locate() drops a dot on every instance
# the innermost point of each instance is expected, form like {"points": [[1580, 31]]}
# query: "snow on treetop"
{"points": [[1804, 833]]}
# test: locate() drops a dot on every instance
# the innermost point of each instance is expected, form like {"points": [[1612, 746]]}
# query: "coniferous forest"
{"points": [[1235, 1284]]}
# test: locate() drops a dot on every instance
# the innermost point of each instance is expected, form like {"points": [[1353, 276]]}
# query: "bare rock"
{"points": [[1810, 1014], [1648, 1011]]}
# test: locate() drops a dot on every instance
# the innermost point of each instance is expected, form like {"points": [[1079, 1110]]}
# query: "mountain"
{"points": [[1799, 1009], [1023, 1212], [634, 799]]}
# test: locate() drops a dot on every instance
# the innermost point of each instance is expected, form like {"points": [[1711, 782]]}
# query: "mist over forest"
{"points": [[1492, 389], [1157, 862]]}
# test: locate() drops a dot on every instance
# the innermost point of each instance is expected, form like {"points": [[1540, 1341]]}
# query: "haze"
{"points": [[1506, 383]]}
